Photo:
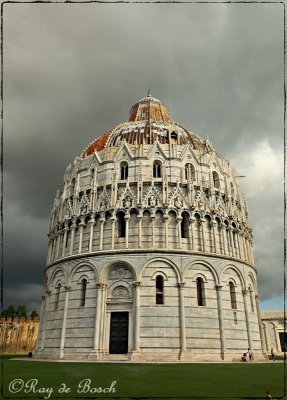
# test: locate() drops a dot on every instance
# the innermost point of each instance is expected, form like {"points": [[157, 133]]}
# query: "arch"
{"points": [[104, 273], [199, 275], [157, 169], [215, 179], [189, 171], [238, 272], [52, 277], [75, 269], [207, 265], [159, 272], [252, 279], [117, 284], [124, 170], [164, 260]]}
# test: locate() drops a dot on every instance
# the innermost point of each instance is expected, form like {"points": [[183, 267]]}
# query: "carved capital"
{"points": [[136, 284], [67, 287], [101, 285], [244, 292], [218, 287], [181, 285]]}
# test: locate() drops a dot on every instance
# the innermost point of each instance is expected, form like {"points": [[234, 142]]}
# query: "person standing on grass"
{"points": [[272, 355]]}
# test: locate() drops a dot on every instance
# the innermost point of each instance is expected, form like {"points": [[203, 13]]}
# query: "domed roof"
{"points": [[149, 121]]}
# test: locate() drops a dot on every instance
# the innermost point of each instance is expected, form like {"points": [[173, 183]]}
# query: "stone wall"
{"points": [[273, 330], [18, 335]]}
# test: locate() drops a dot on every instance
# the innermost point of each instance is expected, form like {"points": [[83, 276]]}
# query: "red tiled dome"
{"points": [[149, 121]]}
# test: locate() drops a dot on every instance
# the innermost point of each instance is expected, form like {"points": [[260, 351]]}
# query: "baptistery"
{"points": [[150, 250]]}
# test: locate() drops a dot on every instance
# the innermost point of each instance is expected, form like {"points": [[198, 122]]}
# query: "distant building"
{"points": [[18, 335], [273, 329], [150, 250]]}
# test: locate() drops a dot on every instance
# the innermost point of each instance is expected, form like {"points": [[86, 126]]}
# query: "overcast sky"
{"points": [[72, 72]]}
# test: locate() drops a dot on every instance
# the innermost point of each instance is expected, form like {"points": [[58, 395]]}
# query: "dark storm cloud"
{"points": [[72, 71]]}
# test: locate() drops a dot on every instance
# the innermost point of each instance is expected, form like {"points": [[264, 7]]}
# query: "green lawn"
{"points": [[139, 381]]}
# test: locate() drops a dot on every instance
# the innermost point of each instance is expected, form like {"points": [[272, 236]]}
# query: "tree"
{"points": [[21, 311], [9, 312], [34, 314]]}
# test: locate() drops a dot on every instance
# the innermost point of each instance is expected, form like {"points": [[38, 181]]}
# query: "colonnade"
{"points": [[204, 235]]}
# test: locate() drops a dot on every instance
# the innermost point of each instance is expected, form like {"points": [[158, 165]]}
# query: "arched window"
{"points": [[251, 299], [173, 137], [215, 178], [121, 224], [124, 170], [189, 172], [83, 292], [184, 225], [235, 317], [200, 292], [157, 169], [159, 289], [57, 296], [232, 295]]}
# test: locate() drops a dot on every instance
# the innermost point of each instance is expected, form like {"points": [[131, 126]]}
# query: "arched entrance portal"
{"points": [[119, 310]]}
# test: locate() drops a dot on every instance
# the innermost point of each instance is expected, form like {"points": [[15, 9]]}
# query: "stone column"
{"points": [[81, 236], [63, 333], [136, 285], [140, 217], [244, 293], [73, 228], [251, 252], [152, 217], [239, 244], [102, 221], [224, 239], [113, 219], [45, 308], [178, 220], [103, 318], [191, 233], [230, 233], [165, 218], [265, 341], [182, 319], [202, 220], [264, 349], [66, 229], [127, 219], [92, 224], [97, 335], [248, 249], [213, 225], [58, 243], [244, 247], [276, 338], [220, 320], [49, 249]]}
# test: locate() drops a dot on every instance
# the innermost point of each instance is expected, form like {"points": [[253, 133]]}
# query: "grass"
{"points": [[144, 381]]}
